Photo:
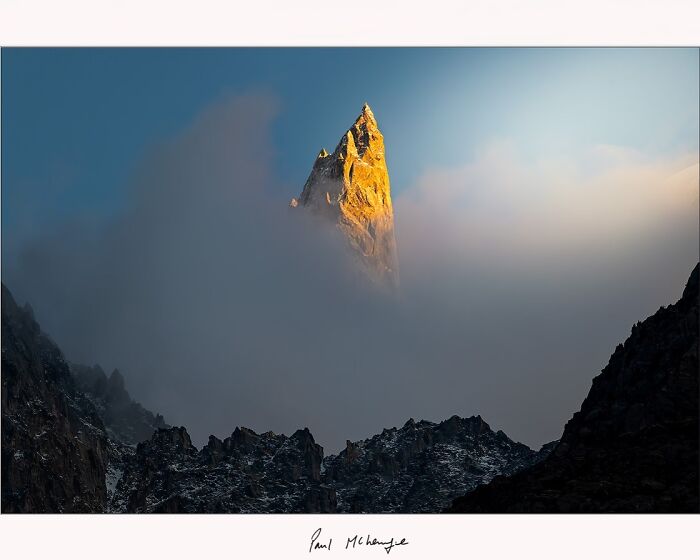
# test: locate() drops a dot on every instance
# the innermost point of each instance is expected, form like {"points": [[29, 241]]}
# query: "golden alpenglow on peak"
{"points": [[351, 188]]}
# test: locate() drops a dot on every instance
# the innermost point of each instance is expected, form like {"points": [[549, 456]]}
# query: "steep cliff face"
{"points": [[633, 446], [54, 445], [350, 187]]}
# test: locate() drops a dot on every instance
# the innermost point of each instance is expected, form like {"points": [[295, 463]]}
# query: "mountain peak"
{"points": [[351, 188], [367, 115]]}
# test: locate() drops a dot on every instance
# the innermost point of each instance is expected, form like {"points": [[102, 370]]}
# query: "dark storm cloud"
{"points": [[223, 307]]}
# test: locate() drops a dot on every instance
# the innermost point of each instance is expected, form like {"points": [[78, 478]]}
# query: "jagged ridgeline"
{"points": [[419, 467], [68, 444], [73, 440], [350, 187]]}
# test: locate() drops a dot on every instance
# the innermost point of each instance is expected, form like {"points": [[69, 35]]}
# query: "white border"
{"points": [[515, 537], [354, 22], [349, 22]]}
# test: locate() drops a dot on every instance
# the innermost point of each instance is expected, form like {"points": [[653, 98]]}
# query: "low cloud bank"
{"points": [[223, 308]]}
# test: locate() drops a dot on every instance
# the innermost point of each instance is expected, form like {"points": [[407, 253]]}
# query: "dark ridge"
{"points": [[54, 446], [633, 446]]}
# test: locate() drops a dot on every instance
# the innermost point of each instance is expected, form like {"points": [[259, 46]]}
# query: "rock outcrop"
{"points": [[244, 473], [126, 421], [54, 445], [422, 466], [350, 187], [633, 446]]}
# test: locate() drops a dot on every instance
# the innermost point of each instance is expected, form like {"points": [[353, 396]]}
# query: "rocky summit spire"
{"points": [[351, 188]]}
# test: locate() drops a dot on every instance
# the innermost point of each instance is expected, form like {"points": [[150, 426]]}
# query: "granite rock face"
{"points": [[633, 446], [350, 188], [54, 445]]}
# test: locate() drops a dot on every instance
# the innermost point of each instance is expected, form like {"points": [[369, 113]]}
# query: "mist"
{"points": [[223, 308]]}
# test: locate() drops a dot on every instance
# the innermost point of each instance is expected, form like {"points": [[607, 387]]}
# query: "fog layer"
{"points": [[222, 307]]}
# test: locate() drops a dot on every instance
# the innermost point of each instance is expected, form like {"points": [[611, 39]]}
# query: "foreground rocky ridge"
{"points": [[633, 446], [350, 188], [244, 473], [420, 467], [73, 440]]}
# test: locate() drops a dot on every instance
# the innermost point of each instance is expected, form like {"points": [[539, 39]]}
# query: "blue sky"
{"points": [[76, 122]]}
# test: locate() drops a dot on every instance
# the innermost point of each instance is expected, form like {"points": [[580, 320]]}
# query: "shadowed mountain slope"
{"points": [[633, 446], [54, 445]]}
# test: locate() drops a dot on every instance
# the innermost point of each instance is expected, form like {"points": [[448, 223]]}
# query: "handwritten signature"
{"points": [[353, 542]]}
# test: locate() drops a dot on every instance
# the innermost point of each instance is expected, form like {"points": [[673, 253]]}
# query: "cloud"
{"points": [[532, 271], [502, 207], [207, 292], [222, 307]]}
